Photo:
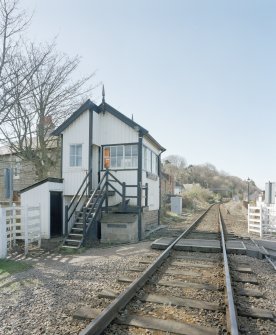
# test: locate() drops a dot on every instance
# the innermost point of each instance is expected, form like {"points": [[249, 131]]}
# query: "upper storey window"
{"points": [[120, 156], [76, 155]]}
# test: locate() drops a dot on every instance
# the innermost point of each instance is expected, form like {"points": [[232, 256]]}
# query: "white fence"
{"points": [[18, 223], [262, 219], [255, 220]]}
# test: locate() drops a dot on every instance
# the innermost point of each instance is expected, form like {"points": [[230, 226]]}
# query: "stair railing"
{"points": [[72, 207]]}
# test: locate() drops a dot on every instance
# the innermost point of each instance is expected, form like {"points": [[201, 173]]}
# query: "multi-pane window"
{"points": [[120, 156], [76, 155], [150, 161], [17, 168]]}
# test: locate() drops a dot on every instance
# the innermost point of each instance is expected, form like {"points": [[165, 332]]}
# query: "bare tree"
{"points": [[13, 21], [52, 95]]}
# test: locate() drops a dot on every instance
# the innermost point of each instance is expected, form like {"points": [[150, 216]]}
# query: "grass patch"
{"points": [[10, 266]]}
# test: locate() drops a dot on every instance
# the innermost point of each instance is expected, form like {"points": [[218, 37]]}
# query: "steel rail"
{"points": [[231, 305], [98, 325]]}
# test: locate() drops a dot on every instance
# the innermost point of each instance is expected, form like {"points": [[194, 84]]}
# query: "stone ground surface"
{"points": [[43, 299]]}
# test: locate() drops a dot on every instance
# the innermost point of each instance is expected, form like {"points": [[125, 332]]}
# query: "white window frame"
{"points": [[127, 162], [17, 168], [74, 155], [150, 161]]}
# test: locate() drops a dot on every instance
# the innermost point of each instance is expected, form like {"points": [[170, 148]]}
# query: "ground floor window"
{"points": [[120, 156]]}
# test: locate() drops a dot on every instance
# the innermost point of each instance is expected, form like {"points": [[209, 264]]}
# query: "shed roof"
{"points": [[49, 179]]}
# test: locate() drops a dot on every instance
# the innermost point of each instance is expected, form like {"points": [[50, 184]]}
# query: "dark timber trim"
{"points": [[50, 179], [90, 150], [159, 175], [139, 184], [116, 144], [117, 170], [61, 155]]}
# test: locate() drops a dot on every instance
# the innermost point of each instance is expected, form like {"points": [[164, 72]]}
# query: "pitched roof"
{"points": [[108, 108]]}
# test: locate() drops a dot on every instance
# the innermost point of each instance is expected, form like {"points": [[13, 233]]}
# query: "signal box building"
{"points": [[110, 185]]}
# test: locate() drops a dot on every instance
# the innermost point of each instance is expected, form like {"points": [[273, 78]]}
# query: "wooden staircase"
{"points": [[92, 206], [85, 216]]}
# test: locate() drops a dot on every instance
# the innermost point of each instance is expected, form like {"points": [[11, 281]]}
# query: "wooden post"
{"points": [[66, 220], [106, 192], [84, 222], [3, 234]]}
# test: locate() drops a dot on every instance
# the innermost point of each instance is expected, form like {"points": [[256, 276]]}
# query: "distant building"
{"points": [[178, 188], [23, 172]]}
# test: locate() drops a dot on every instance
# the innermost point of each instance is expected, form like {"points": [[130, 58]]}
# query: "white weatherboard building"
{"points": [[110, 167]]}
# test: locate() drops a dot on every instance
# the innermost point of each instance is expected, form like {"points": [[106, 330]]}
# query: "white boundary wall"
{"points": [[19, 223]]}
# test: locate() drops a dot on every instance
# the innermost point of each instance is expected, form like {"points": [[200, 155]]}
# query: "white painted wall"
{"points": [[76, 133], [153, 193], [154, 185], [40, 195], [114, 131]]}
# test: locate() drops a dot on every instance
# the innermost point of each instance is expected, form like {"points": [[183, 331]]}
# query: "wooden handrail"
{"points": [[75, 196]]}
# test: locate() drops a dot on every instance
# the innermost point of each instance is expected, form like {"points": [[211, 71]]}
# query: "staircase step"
{"points": [[70, 246], [75, 234], [74, 237], [72, 241], [76, 228]]}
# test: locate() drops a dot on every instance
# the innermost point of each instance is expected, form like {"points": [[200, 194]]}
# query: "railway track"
{"points": [[183, 292]]}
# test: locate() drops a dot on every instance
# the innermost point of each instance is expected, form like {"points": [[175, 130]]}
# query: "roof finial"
{"points": [[103, 100], [103, 95]]}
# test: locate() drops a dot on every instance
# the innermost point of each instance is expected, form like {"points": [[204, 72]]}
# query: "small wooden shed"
{"points": [[47, 193]]}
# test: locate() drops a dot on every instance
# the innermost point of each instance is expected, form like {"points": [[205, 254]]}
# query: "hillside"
{"points": [[207, 176]]}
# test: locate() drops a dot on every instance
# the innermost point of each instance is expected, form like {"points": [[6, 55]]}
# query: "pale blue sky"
{"points": [[198, 74]]}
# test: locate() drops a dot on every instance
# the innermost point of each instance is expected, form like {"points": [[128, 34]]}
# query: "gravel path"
{"points": [[42, 299]]}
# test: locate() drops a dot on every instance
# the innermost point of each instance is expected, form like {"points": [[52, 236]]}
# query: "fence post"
{"points": [[14, 223], [3, 234], [25, 222]]}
